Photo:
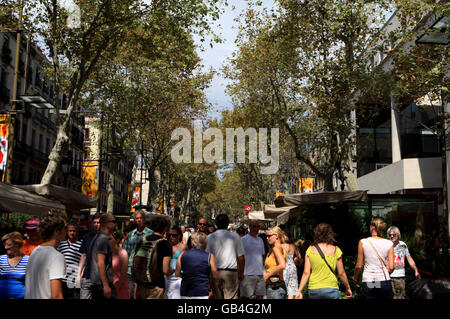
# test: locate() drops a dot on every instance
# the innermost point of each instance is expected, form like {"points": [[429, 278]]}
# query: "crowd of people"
{"points": [[157, 260]]}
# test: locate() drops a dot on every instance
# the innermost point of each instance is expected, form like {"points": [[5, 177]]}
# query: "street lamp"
{"points": [[66, 164]]}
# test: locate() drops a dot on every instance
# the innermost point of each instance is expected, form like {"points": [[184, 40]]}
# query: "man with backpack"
{"points": [[151, 261]]}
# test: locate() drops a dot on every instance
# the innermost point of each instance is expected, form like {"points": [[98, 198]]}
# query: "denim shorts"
{"points": [[324, 293], [279, 293]]}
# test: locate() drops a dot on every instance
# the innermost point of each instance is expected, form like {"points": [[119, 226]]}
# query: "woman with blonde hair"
{"points": [[195, 266], [275, 263], [13, 267], [323, 264], [377, 255]]}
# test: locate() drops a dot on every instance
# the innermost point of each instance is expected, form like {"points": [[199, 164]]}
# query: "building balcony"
{"points": [[410, 173]]}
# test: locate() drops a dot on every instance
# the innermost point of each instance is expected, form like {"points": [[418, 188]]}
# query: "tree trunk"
{"points": [[132, 185], [58, 151], [64, 133], [111, 190]]}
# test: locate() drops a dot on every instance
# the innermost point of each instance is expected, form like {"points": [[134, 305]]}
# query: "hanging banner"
{"points": [[4, 133], [89, 178], [135, 200], [306, 185]]}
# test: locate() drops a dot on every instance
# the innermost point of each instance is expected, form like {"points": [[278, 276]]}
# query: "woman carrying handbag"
{"points": [[274, 264], [322, 260], [377, 255]]}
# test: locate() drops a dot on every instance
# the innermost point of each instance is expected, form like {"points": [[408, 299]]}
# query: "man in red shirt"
{"points": [[34, 239]]}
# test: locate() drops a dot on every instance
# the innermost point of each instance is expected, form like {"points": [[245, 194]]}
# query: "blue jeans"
{"points": [[324, 293], [279, 293], [377, 290]]}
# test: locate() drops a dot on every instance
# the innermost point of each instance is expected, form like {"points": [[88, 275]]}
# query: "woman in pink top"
{"points": [[120, 267], [377, 255]]}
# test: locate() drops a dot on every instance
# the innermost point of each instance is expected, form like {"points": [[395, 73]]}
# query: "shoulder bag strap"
{"points": [[324, 259], [379, 258]]}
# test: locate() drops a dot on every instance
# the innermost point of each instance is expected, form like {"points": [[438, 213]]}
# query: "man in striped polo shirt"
{"points": [[70, 249]]}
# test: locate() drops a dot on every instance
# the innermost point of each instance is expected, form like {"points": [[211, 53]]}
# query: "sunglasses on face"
{"points": [[270, 235], [172, 235], [202, 224], [392, 235]]}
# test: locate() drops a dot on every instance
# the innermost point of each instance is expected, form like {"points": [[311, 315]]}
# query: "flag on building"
{"points": [[4, 133]]}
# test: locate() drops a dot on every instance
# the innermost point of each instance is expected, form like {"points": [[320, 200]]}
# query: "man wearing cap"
{"points": [[34, 239]]}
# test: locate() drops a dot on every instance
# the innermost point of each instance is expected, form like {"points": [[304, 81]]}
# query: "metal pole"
{"points": [[100, 163], [9, 163], [142, 168]]}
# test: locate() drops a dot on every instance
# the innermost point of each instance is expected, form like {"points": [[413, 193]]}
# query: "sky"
{"points": [[216, 57]]}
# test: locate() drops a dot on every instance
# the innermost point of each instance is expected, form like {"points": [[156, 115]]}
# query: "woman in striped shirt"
{"points": [[13, 266]]}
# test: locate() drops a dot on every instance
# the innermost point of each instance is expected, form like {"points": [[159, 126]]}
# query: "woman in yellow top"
{"points": [[274, 264], [323, 283]]}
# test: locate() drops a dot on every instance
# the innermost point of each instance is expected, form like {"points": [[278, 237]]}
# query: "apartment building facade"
{"points": [[99, 173], [35, 128], [398, 152]]}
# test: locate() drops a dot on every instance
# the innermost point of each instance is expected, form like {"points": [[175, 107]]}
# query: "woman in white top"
{"points": [[377, 255]]}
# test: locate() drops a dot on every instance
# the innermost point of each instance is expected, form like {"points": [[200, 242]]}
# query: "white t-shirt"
{"points": [[400, 253], [186, 236], [373, 269], [226, 247], [45, 264], [254, 252]]}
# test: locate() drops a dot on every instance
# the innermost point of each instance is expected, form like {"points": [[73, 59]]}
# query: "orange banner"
{"points": [[89, 178]]}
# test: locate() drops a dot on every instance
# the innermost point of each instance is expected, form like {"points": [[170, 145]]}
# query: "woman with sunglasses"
{"points": [[275, 263], [173, 283]]}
